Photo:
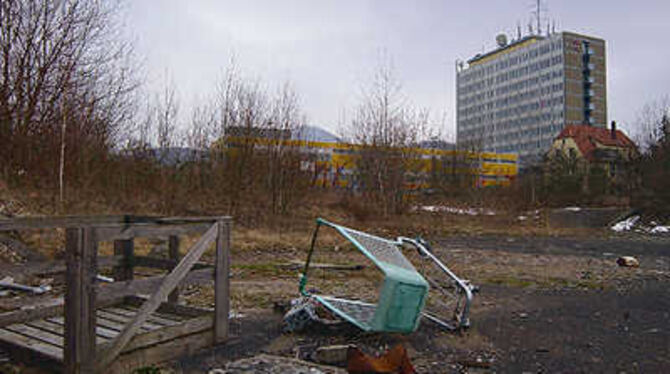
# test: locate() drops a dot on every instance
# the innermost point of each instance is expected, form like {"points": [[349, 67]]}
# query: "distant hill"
{"points": [[315, 134]]}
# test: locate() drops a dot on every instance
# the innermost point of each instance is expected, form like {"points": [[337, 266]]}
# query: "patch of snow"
{"points": [[660, 230], [626, 225], [461, 211], [572, 208], [522, 218]]}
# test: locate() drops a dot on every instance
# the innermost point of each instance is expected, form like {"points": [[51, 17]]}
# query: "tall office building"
{"points": [[520, 96]]}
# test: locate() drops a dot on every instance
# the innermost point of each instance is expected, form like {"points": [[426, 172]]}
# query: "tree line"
{"points": [[78, 129]]}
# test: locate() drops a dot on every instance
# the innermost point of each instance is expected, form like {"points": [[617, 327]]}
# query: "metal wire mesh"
{"points": [[363, 313], [381, 249]]}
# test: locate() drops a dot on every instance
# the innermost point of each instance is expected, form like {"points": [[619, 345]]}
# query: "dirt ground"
{"points": [[546, 305], [550, 301]]}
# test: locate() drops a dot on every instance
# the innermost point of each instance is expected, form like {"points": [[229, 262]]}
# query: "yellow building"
{"points": [[333, 164]]}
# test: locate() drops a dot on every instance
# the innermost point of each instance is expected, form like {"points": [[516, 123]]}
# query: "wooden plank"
{"points": [[168, 316], [125, 249], [19, 316], [54, 307], [222, 282], [149, 285], [170, 282], [37, 334], [173, 254], [30, 344], [165, 264], [110, 324], [59, 330], [165, 334], [173, 310], [24, 223], [50, 267], [99, 329], [80, 292], [150, 231], [169, 350], [124, 320], [153, 318]]}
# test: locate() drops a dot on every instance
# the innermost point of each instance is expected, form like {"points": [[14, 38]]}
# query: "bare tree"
{"points": [[284, 158], [647, 130], [385, 125], [167, 111], [66, 75]]}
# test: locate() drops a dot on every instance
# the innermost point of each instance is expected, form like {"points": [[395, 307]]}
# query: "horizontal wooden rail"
{"points": [[149, 231], [26, 223], [51, 267], [149, 285], [163, 263]]}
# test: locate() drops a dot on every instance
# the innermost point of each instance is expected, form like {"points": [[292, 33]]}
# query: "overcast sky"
{"points": [[328, 49]]}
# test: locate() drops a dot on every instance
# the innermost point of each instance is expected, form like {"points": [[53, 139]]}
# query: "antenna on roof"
{"points": [[538, 10]]}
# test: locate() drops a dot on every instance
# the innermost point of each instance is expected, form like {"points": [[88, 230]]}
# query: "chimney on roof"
{"points": [[614, 130]]}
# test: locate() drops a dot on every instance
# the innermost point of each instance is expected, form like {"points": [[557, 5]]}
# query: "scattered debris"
{"points": [[20, 251], [628, 261], [268, 364], [395, 360], [306, 311], [660, 230], [8, 282], [105, 279], [476, 363], [626, 225], [332, 354], [634, 223]]}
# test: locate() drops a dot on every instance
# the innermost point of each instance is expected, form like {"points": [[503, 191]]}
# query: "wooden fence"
{"points": [[90, 348]]}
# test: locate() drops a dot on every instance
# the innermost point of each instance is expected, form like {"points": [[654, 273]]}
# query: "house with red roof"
{"points": [[590, 146]]}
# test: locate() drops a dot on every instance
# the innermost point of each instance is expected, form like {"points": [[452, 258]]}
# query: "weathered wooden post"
{"points": [[222, 281], [80, 294], [173, 254], [125, 249]]}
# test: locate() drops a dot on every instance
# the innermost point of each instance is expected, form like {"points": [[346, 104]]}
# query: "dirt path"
{"points": [[573, 331], [619, 326]]}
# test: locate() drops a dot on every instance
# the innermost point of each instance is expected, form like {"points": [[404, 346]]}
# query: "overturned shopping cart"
{"points": [[405, 294]]}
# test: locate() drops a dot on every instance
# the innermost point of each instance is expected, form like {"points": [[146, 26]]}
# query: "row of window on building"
{"points": [[516, 99], [513, 59], [523, 71], [548, 122], [547, 105]]}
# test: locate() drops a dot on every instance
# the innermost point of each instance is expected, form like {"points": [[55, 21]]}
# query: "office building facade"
{"points": [[518, 97]]}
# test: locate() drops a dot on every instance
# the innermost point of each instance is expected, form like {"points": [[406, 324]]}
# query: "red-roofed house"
{"points": [[592, 146]]}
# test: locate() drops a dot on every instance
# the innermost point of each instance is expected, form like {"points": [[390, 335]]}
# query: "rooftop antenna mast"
{"points": [[538, 10]]}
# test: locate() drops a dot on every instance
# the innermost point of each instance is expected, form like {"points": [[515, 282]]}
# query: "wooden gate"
{"points": [[109, 327]]}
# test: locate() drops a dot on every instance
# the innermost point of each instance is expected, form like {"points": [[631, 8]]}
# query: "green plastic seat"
{"points": [[402, 294]]}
